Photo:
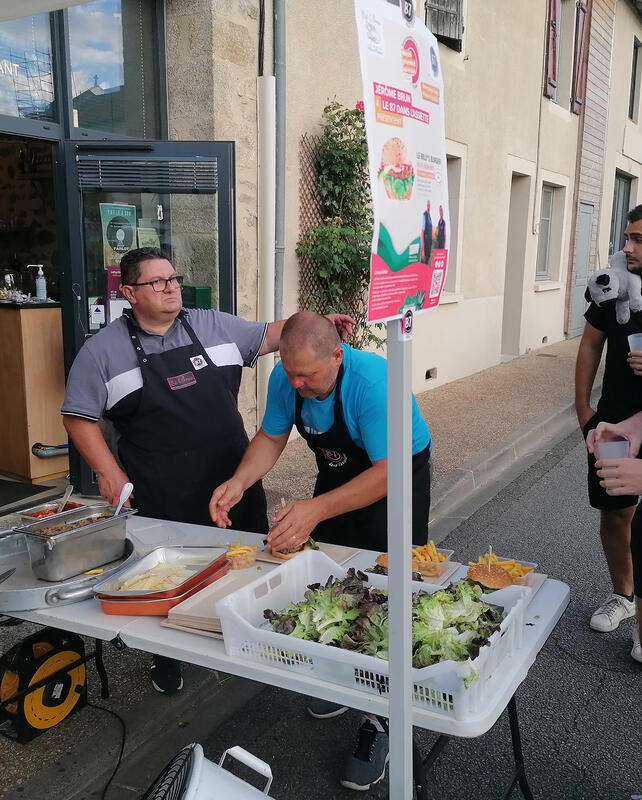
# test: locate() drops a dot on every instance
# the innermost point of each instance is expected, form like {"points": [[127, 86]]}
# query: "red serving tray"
{"points": [[160, 606], [177, 591]]}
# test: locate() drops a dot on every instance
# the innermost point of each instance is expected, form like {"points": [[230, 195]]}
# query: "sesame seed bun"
{"points": [[492, 577]]}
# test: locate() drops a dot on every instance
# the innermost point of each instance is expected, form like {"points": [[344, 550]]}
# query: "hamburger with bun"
{"points": [[290, 552], [489, 576], [396, 171]]}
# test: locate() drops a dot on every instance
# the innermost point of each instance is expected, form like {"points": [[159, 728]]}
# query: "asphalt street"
{"points": [[579, 707]]}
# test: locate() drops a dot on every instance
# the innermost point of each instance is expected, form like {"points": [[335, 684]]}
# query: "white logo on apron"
{"points": [[198, 362]]}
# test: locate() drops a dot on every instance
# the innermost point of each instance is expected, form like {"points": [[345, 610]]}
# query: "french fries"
{"points": [[514, 568], [239, 549], [241, 555], [428, 552]]}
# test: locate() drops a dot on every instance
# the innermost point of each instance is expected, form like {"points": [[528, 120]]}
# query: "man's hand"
{"points": [[344, 325], [635, 362], [584, 415], [620, 475], [225, 496], [611, 432], [110, 485], [294, 523]]}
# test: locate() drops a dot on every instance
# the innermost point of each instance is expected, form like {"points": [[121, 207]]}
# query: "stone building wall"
{"points": [[212, 55]]}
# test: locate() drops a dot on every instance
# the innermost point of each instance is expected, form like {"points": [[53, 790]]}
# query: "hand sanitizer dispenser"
{"points": [[41, 282]]}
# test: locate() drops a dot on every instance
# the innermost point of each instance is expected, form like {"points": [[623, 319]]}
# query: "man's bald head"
{"points": [[309, 331]]}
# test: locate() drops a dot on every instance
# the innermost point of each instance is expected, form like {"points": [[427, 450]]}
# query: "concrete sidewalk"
{"points": [[486, 428]]}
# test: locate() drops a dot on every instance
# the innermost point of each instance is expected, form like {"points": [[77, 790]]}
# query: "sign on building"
{"points": [[405, 128]]}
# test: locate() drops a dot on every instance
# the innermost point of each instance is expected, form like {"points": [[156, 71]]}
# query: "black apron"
{"points": [[183, 435], [339, 460]]}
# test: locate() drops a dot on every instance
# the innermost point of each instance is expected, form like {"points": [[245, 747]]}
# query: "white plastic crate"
{"points": [[438, 688]]}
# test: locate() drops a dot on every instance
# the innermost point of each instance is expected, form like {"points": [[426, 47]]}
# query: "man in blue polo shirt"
{"points": [[337, 397]]}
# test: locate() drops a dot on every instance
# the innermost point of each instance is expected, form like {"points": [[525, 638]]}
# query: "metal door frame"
{"points": [[73, 291]]}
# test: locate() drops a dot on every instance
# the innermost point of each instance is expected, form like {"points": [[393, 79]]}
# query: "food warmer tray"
{"points": [[100, 539], [23, 591]]}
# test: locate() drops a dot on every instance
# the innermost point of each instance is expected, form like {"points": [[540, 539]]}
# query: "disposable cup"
{"points": [[635, 342], [618, 449]]}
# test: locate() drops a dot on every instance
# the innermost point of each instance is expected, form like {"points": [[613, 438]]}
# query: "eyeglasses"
{"points": [[161, 284]]}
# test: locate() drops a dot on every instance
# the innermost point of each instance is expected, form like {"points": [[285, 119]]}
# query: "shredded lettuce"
{"points": [[450, 625]]}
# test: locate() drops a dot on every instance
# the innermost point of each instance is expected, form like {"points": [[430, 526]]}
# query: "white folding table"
{"points": [[147, 634]]}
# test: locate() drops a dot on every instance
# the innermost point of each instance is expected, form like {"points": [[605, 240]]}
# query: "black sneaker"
{"points": [[367, 765], [166, 675]]}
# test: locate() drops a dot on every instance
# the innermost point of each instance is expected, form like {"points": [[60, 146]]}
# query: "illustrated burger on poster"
{"points": [[404, 114]]}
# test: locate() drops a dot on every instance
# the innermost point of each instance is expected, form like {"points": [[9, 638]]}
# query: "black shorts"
{"points": [[598, 497]]}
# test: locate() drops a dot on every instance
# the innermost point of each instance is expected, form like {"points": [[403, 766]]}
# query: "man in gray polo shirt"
{"points": [[168, 379]]}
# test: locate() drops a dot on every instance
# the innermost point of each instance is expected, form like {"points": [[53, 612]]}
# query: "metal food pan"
{"points": [[56, 557], [160, 606], [27, 514], [205, 561]]}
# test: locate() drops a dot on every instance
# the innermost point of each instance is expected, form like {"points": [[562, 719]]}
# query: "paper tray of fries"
{"points": [[522, 572]]}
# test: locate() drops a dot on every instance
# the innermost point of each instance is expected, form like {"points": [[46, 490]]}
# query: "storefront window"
{"points": [[114, 72], [26, 69]]}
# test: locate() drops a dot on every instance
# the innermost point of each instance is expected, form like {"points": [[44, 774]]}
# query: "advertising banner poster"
{"points": [[116, 303], [148, 237], [404, 113], [119, 231]]}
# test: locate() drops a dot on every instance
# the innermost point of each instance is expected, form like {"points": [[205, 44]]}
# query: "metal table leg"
{"points": [[421, 766], [100, 669], [519, 776]]}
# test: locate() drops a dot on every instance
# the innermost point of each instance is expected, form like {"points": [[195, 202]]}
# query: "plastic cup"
{"points": [[618, 449], [635, 342]]}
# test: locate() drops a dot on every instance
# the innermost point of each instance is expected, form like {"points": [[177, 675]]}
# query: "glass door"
{"points": [[178, 196]]}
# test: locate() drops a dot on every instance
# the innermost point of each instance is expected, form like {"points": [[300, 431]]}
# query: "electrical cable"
{"points": [[122, 744], [75, 288]]}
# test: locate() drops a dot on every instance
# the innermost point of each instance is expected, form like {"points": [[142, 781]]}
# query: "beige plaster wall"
{"points": [[496, 122], [624, 143], [495, 114]]}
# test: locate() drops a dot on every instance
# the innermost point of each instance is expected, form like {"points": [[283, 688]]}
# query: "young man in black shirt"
{"points": [[621, 398]]}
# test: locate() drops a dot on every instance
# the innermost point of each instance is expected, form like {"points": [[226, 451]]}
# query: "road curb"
{"points": [[465, 489]]}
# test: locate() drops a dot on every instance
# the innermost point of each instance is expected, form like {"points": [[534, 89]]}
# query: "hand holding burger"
{"points": [[293, 525]]}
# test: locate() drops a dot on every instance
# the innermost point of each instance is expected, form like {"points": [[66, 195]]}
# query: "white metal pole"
{"points": [[399, 562]]}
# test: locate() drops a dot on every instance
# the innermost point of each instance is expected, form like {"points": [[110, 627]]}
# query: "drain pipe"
{"points": [[266, 214], [279, 199]]}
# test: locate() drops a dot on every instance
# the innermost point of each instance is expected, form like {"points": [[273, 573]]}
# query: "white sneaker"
{"points": [[636, 650], [612, 611]]}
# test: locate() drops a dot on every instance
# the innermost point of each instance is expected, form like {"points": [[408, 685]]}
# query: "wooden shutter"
{"points": [[580, 59], [445, 19], [550, 80]]}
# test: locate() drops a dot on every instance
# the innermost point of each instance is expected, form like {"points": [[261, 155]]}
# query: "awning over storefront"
{"points": [[13, 9]]}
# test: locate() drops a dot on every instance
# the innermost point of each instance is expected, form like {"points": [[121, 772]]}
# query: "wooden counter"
{"points": [[31, 391]]}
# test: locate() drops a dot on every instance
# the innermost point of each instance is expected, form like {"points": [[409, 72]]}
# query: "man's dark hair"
{"points": [[131, 261], [635, 214]]}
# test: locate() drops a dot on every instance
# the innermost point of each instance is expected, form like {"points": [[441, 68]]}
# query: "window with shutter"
{"points": [[550, 81], [581, 57], [445, 19]]}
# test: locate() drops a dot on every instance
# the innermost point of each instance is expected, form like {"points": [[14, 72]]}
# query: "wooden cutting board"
{"points": [[337, 552], [166, 623]]}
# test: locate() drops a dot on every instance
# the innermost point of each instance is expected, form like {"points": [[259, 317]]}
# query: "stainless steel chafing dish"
{"points": [[58, 556]]}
